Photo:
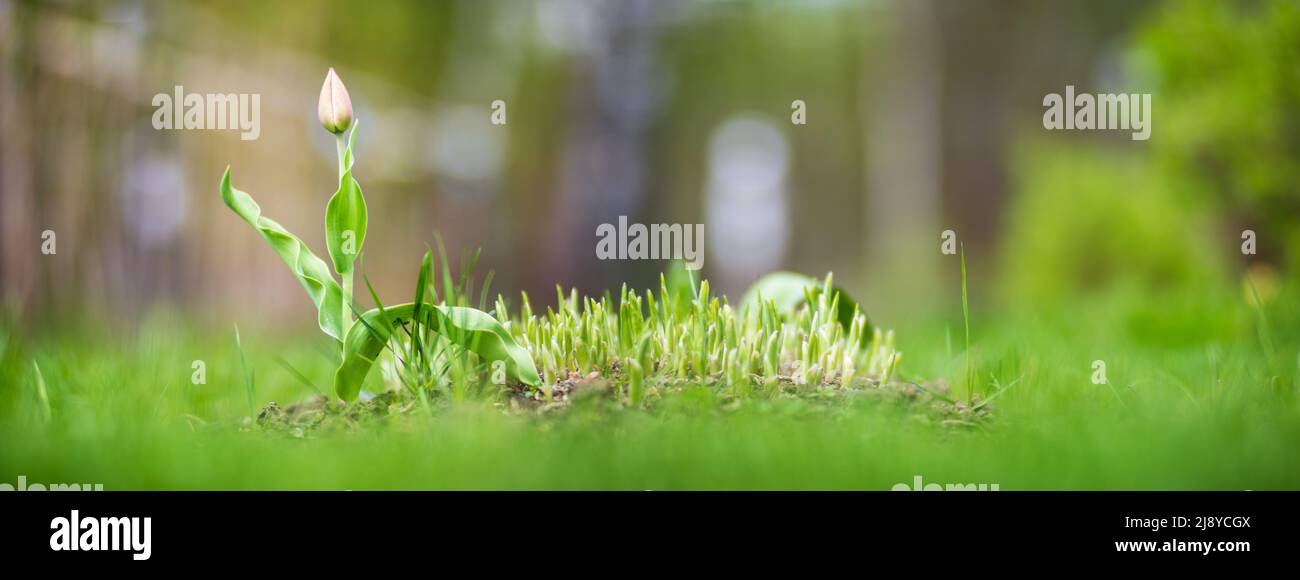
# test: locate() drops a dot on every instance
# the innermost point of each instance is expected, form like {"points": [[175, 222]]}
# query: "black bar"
{"points": [[997, 529]]}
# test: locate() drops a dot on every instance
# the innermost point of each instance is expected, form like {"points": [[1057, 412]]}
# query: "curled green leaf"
{"points": [[311, 271], [469, 328], [790, 291]]}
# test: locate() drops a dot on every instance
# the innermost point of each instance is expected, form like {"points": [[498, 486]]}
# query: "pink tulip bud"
{"points": [[335, 107]]}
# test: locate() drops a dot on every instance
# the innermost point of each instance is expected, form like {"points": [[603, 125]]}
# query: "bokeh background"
{"points": [[922, 116]]}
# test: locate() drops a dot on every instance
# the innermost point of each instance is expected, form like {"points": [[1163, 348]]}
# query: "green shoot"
{"points": [[248, 373], [965, 315], [42, 394]]}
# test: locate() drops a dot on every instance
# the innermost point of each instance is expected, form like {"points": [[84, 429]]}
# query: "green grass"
{"points": [[1195, 404]]}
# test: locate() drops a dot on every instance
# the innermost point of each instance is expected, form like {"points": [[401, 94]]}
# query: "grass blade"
{"points": [[965, 315], [248, 372], [42, 393], [297, 375]]}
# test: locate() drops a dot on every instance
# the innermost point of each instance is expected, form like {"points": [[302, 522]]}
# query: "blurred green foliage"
{"points": [[1166, 216], [1088, 219], [1227, 108]]}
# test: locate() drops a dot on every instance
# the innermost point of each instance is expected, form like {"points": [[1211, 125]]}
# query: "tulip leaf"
{"points": [[469, 328], [790, 291], [310, 270], [345, 223]]}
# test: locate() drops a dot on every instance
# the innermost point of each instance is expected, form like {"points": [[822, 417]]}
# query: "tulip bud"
{"points": [[335, 109]]}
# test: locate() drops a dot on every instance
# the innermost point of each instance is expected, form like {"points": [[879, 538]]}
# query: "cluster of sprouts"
{"points": [[678, 337]]}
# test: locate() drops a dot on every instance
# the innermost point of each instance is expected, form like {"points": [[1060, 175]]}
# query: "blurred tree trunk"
{"points": [[605, 172], [904, 159]]}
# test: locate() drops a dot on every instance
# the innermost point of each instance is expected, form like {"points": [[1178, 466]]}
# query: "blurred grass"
{"points": [[1202, 414]]}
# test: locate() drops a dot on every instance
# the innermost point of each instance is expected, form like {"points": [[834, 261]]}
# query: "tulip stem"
{"points": [[347, 302], [347, 276]]}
